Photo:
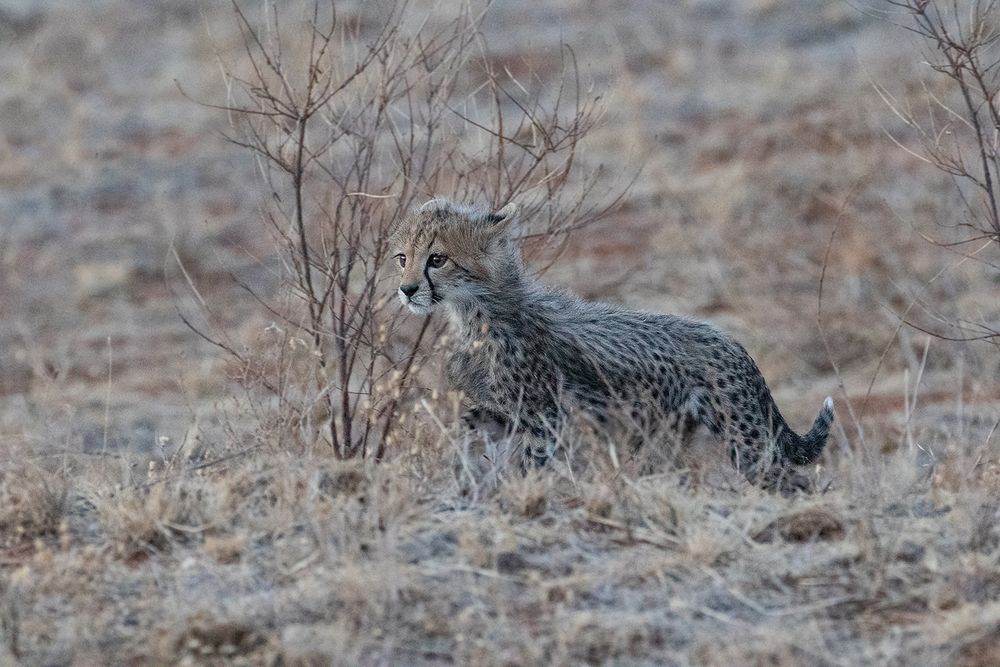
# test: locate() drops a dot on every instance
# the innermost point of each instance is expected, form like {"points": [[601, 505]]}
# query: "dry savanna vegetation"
{"points": [[222, 441]]}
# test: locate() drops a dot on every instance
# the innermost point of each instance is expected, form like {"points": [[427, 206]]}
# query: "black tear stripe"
{"points": [[427, 274], [430, 283]]}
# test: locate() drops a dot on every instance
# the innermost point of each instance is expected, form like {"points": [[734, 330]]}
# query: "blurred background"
{"points": [[756, 124], [158, 507]]}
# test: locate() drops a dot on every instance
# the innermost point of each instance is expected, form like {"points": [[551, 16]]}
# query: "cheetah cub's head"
{"points": [[453, 254]]}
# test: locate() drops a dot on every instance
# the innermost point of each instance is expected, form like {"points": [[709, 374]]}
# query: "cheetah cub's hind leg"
{"points": [[761, 445], [672, 434]]}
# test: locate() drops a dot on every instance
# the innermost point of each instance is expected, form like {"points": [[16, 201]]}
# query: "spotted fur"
{"points": [[529, 355]]}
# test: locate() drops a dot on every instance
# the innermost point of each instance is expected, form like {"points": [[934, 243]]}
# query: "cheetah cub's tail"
{"points": [[804, 449]]}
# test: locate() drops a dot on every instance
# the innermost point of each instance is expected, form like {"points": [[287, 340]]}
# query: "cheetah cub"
{"points": [[529, 356]]}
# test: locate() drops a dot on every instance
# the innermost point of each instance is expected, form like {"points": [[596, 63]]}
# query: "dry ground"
{"points": [[761, 138]]}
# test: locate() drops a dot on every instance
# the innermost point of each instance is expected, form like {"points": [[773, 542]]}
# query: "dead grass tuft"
{"points": [[33, 502]]}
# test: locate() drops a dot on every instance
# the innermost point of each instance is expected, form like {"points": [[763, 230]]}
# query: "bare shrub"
{"points": [[962, 140], [958, 128], [354, 119]]}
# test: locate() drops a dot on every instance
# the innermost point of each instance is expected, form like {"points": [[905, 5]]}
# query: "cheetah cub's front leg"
{"points": [[533, 447]]}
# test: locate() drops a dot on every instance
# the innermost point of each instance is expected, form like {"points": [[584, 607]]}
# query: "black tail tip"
{"points": [[803, 450]]}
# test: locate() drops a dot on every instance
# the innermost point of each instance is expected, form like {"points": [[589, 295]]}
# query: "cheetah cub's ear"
{"points": [[502, 219], [438, 203]]}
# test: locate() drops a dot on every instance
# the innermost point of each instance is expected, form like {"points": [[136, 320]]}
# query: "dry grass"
{"points": [[313, 560], [155, 507]]}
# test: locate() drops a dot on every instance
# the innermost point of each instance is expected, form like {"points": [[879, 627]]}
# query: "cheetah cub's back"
{"points": [[529, 355]]}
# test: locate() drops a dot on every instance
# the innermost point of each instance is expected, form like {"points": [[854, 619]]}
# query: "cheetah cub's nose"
{"points": [[409, 290]]}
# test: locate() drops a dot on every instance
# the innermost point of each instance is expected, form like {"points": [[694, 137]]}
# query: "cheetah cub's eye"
{"points": [[436, 261], [401, 258]]}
